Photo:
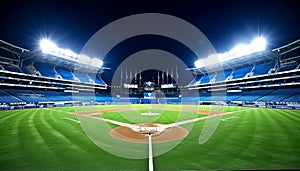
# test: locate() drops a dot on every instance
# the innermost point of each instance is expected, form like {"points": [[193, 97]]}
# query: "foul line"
{"points": [[244, 110], [150, 153], [193, 120], [225, 119], [71, 119]]}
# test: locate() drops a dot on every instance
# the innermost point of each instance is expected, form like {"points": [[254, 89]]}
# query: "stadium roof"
{"points": [[225, 23]]}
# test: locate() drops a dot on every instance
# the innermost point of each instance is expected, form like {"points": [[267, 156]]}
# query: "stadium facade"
{"points": [[34, 79]]}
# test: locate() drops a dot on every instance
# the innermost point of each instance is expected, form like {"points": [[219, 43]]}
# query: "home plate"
{"points": [[150, 114]]}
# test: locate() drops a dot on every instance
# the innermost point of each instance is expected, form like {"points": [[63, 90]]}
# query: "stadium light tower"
{"points": [[51, 48], [257, 45], [47, 46]]}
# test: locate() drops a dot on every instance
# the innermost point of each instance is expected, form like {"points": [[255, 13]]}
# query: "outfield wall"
{"points": [[24, 105]]}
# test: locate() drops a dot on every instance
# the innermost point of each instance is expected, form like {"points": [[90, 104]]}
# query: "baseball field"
{"points": [[56, 139]]}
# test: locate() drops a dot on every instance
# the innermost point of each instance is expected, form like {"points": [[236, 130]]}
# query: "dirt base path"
{"points": [[127, 134]]}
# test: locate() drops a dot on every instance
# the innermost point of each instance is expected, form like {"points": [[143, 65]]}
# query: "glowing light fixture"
{"points": [[47, 46], [257, 45], [51, 48]]}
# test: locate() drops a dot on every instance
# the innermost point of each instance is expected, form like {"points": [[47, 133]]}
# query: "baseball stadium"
{"points": [[233, 110]]}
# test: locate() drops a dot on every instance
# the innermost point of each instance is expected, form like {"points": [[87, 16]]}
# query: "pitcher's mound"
{"points": [[168, 134]]}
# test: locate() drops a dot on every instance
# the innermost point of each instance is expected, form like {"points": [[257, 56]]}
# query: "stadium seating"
{"points": [[241, 72], [82, 77], [45, 69], [287, 67], [27, 95], [98, 80], [278, 95], [294, 98], [54, 96], [262, 69], [12, 68], [207, 78], [5, 97], [65, 74], [221, 76], [196, 80], [253, 95]]}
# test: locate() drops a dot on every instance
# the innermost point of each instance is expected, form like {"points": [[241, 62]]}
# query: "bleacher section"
{"points": [[98, 80], [262, 69], [45, 69], [54, 96], [65, 74], [27, 95], [11, 68], [287, 68], [294, 98], [7, 98], [196, 80], [279, 95], [82, 77], [241, 72], [222, 76], [250, 96]]}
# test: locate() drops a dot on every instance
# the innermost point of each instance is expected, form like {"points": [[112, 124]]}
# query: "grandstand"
{"points": [[30, 77]]}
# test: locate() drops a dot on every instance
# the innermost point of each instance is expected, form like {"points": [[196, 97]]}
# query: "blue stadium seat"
{"points": [[8, 98], [99, 81], [241, 72], [12, 68], [252, 95], [45, 69], [262, 69], [221, 76], [82, 77], [279, 95], [27, 95], [287, 68], [65, 74], [196, 80], [54, 96], [294, 98]]}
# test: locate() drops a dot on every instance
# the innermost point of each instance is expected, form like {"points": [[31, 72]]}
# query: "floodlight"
{"points": [[51, 48], [84, 59], [96, 62], [199, 63], [47, 46], [257, 45], [68, 52]]}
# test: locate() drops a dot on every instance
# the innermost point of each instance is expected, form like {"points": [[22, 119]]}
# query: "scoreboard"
{"points": [[149, 95], [149, 86]]}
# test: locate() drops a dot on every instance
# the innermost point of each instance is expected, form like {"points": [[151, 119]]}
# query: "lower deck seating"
{"points": [[278, 95], [27, 95], [5, 97]]}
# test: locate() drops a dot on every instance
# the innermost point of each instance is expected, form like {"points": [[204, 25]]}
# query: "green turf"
{"points": [[42, 139]]}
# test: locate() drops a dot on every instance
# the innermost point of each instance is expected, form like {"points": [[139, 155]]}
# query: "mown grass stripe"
{"points": [[293, 116], [10, 115], [16, 123]]}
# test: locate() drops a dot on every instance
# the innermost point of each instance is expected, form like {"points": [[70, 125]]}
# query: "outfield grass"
{"points": [[42, 139]]}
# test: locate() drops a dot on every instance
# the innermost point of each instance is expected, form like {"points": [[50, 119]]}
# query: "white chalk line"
{"points": [[226, 119], [56, 110], [150, 160], [244, 110], [77, 121]]}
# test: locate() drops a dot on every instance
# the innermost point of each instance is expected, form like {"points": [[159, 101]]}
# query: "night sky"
{"points": [[226, 23]]}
